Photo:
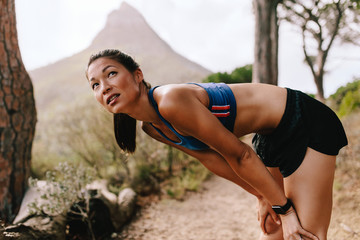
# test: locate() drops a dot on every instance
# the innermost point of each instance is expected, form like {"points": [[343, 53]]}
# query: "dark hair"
{"points": [[114, 54], [124, 125], [125, 132]]}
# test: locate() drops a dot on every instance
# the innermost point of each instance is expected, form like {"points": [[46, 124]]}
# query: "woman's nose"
{"points": [[106, 88]]}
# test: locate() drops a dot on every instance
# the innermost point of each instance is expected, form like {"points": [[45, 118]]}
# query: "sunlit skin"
{"points": [[259, 110]]}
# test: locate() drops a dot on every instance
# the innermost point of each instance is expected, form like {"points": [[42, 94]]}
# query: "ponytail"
{"points": [[125, 129], [125, 132]]}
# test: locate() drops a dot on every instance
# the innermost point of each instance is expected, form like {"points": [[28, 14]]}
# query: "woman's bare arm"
{"points": [[187, 114], [209, 158]]}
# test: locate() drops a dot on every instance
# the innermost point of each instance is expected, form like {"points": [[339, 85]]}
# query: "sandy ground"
{"points": [[221, 211]]}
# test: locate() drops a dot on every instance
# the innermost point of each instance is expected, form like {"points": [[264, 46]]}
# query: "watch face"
{"points": [[278, 210]]}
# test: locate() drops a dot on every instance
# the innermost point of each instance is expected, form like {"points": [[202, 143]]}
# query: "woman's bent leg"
{"points": [[274, 231], [310, 189]]}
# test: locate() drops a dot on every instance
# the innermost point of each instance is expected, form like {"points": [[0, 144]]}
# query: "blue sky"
{"points": [[217, 34]]}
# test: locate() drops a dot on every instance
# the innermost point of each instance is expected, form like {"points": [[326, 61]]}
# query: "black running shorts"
{"points": [[306, 123]]}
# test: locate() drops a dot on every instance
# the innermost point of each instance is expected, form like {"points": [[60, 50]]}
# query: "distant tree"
{"points": [[218, 77], [243, 74], [17, 116], [239, 75], [320, 22], [266, 41]]}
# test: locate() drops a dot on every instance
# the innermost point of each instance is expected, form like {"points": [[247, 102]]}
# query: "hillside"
{"points": [[62, 83]]}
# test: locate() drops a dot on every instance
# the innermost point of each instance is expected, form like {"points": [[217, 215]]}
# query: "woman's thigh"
{"points": [[310, 188]]}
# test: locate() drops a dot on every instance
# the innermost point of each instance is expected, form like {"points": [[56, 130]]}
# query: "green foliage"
{"points": [[144, 181], [189, 179], [341, 91], [239, 75], [311, 95], [43, 161], [354, 4], [64, 187], [350, 102], [346, 99], [87, 135]]}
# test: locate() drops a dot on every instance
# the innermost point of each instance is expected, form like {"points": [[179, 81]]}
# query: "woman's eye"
{"points": [[112, 74], [94, 85]]}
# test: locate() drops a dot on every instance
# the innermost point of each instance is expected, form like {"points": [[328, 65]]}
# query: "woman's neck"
{"points": [[143, 109]]}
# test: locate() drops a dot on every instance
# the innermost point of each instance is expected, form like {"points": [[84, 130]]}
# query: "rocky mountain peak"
{"points": [[127, 29]]}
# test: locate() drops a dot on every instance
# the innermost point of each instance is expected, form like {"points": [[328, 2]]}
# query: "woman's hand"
{"points": [[269, 221], [292, 229]]}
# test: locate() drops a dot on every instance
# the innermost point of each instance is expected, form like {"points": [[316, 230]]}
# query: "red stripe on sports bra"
{"points": [[224, 107], [221, 114]]}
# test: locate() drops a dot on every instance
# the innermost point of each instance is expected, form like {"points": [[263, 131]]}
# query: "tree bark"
{"points": [[17, 116], [319, 75], [265, 69]]}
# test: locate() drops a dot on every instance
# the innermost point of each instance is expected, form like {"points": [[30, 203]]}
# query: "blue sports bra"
{"points": [[222, 104]]}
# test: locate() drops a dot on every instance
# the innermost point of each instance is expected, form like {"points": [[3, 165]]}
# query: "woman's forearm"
{"points": [[219, 166], [251, 169], [215, 163]]}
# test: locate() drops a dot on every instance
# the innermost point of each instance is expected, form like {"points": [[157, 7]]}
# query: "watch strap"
{"points": [[282, 209]]}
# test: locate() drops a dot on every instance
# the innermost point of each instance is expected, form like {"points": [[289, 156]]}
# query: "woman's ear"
{"points": [[138, 75]]}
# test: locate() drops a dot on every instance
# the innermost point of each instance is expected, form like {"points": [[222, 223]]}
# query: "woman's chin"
{"points": [[114, 110]]}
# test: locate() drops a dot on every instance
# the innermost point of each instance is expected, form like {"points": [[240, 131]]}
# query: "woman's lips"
{"points": [[111, 99]]}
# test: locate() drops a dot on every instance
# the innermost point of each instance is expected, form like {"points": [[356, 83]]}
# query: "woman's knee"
{"points": [[271, 226]]}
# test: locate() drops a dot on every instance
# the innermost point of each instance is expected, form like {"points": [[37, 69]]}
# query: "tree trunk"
{"points": [[319, 74], [265, 68], [319, 82], [17, 116]]}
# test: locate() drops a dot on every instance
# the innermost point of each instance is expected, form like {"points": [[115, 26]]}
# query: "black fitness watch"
{"points": [[282, 209]]}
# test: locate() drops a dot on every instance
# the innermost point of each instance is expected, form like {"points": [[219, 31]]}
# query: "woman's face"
{"points": [[114, 87]]}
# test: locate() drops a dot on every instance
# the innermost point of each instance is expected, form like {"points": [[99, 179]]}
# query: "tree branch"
{"points": [[335, 32], [307, 57]]}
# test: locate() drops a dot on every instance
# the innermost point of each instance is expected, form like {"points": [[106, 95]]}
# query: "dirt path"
{"points": [[221, 211]]}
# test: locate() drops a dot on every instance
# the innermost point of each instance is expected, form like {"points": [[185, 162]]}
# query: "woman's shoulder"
{"points": [[165, 94], [177, 92], [172, 98]]}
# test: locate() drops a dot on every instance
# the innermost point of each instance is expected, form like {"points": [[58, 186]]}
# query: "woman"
{"points": [[297, 138]]}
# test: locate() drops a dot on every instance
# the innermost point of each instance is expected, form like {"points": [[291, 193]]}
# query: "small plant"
{"points": [[189, 179], [65, 188], [144, 182]]}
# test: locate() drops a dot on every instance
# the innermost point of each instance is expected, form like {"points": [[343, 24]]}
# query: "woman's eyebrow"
{"points": [[108, 66], [104, 69]]}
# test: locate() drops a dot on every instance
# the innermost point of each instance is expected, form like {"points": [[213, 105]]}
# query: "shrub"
{"points": [[189, 179], [65, 193], [239, 75], [340, 93], [350, 102], [346, 99], [144, 182], [64, 186]]}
